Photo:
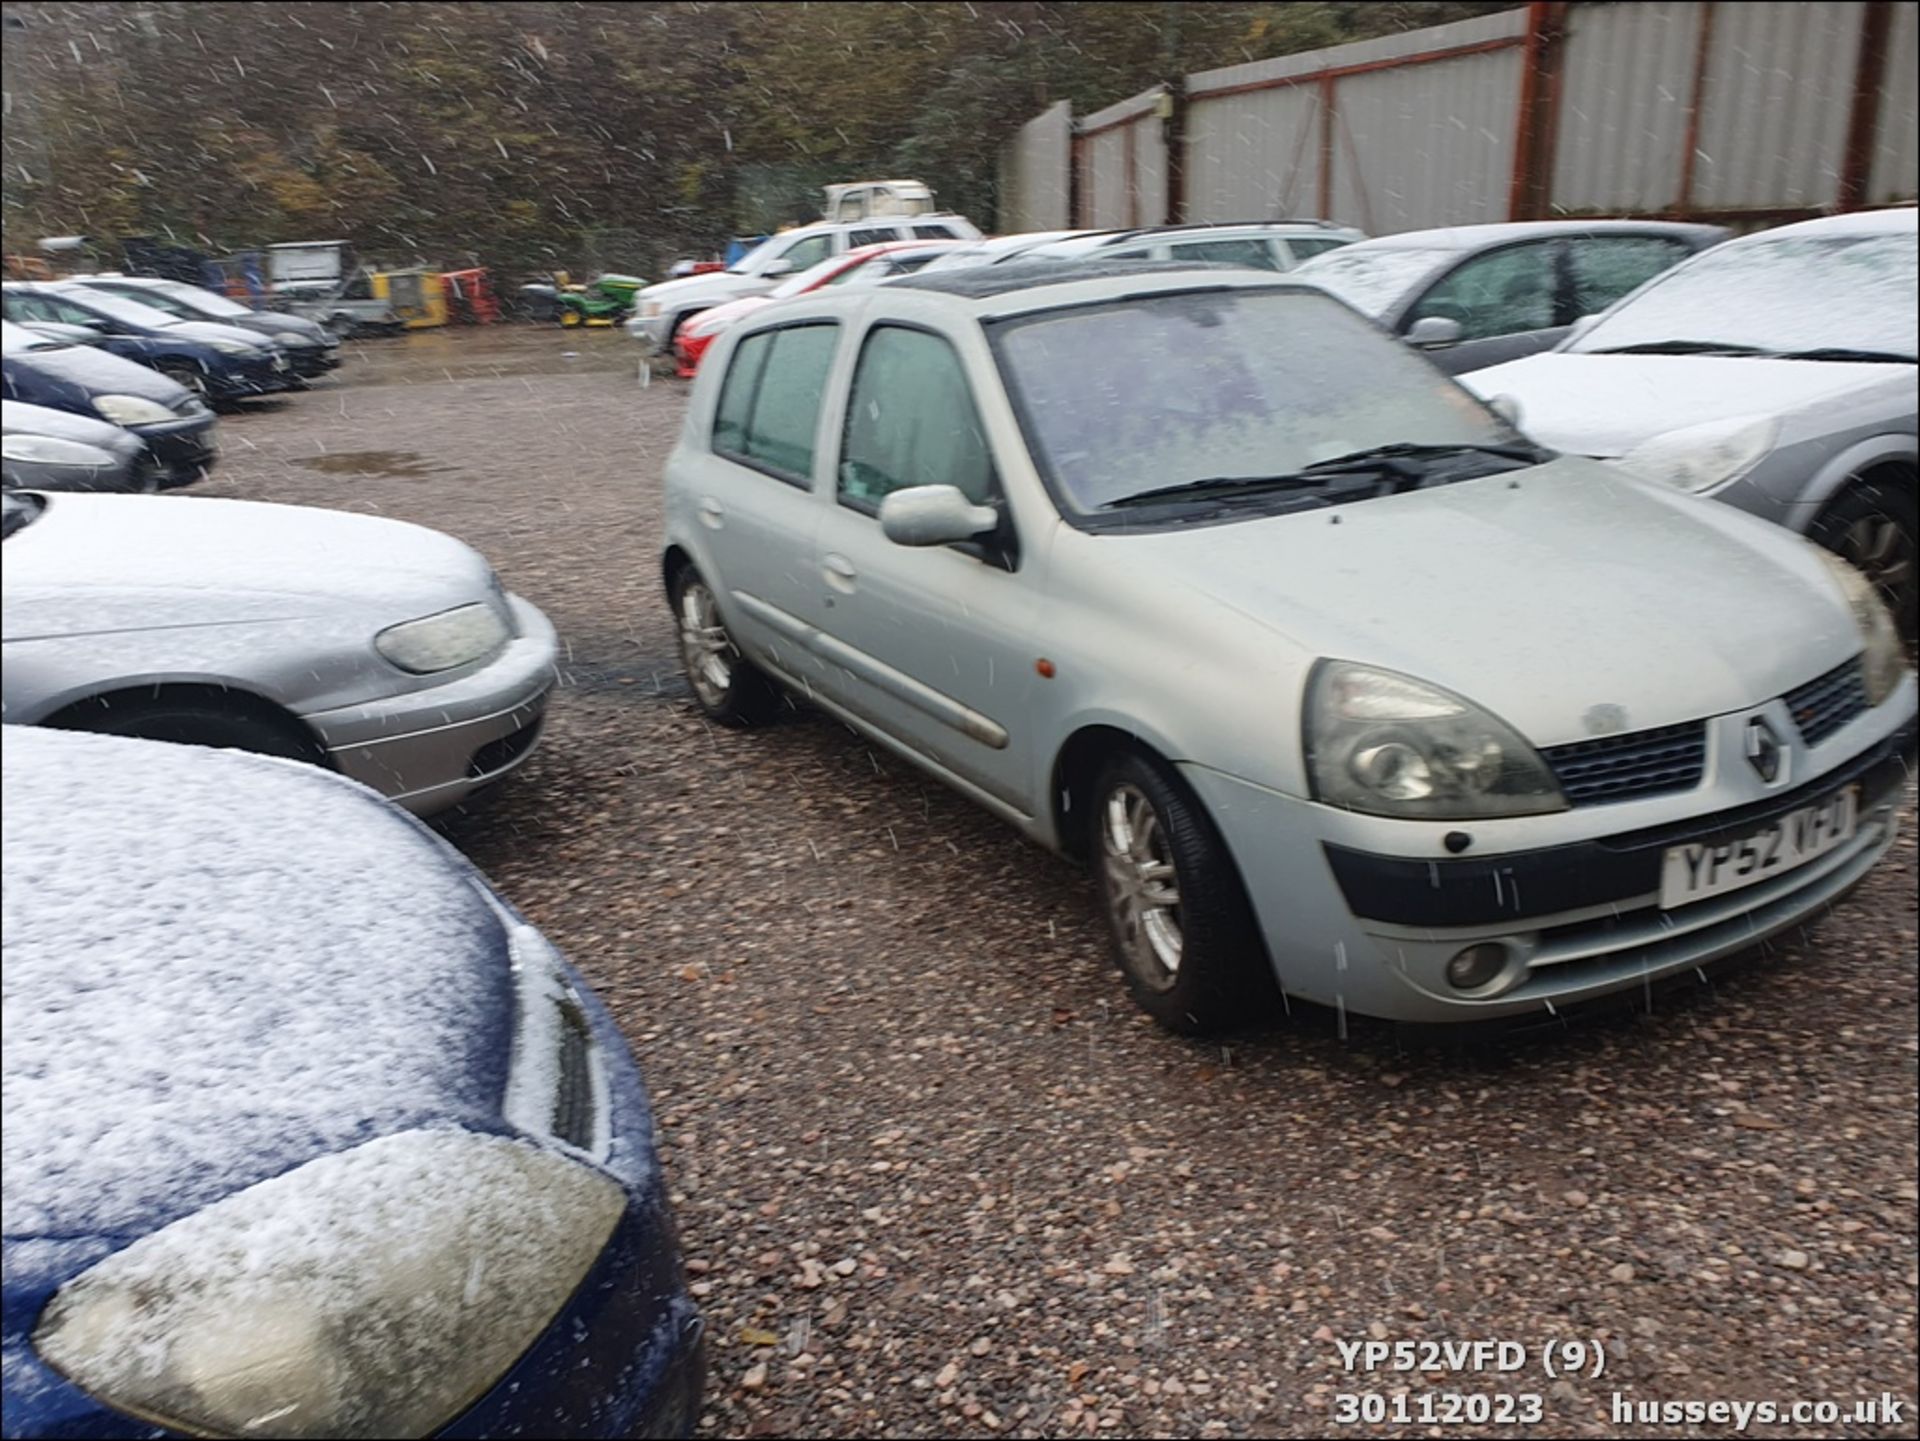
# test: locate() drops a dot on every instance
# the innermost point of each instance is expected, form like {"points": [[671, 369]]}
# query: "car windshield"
{"points": [[1370, 279], [1145, 393], [15, 338], [808, 279], [205, 302], [1842, 293], [118, 307]]}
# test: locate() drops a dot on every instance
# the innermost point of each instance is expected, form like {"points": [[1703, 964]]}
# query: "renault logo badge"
{"points": [[1764, 750]]}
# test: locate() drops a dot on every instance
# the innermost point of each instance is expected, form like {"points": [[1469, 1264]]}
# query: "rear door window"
{"points": [[911, 421], [935, 231], [1250, 250], [1606, 267], [769, 411], [858, 238], [1305, 247]]}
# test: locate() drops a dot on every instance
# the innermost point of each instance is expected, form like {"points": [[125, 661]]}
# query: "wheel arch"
{"points": [[208, 694], [1889, 456], [1077, 765]]}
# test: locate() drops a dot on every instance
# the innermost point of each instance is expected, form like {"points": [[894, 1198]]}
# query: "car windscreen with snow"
{"points": [[1277, 396], [1832, 297]]}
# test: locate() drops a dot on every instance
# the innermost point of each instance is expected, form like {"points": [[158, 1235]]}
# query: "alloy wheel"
{"points": [[1142, 886], [706, 650], [1881, 550]]}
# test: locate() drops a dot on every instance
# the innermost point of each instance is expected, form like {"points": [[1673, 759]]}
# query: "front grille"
{"points": [[1626, 767], [498, 755], [1822, 706]]}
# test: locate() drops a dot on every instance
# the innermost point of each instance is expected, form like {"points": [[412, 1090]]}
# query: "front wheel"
{"points": [[1183, 933], [727, 685], [1871, 525]]}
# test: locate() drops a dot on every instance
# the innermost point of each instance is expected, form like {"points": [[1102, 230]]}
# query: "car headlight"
{"points": [[1885, 657], [234, 347], [131, 409], [441, 642], [649, 308], [1701, 457], [373, 1292], [46, 450], [294, 338], [1387, 744]]}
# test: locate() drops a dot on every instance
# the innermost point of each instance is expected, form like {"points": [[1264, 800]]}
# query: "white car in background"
{"points": [[1774, 372]]}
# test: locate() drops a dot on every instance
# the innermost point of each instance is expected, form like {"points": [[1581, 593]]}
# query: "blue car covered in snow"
{"points": [[306, 1132]]}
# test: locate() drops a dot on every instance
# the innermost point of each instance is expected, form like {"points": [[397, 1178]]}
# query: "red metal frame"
{"points": [[1363, 67], [1326, 145], [1863, 119], [1530, 190], [1696, 105]]}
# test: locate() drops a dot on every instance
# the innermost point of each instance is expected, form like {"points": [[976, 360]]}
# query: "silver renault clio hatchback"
{"points": [[1337, 682]]}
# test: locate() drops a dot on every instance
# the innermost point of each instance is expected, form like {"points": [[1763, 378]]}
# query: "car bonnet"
{"points": [[1538, 594], [100, 373], [1604, 405], [218, 967]]}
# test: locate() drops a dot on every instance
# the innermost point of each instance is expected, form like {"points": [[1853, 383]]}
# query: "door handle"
{"points": [[712, 514], [840, 573]]}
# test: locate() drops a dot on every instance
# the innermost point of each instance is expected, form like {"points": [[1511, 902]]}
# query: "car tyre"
{"points": [[1872, 525], [1182, 929], [726, 685], [187, 722]]}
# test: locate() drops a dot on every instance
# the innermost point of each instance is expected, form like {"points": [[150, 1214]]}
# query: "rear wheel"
{"points": [[191, 722], [1183, 932], [569, 318], [1872, 525], [727, 685]]}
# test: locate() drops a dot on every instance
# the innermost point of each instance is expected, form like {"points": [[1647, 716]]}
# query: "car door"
{"points": [[751, 488], [1507, 303], [933, 644], [38, 305]]}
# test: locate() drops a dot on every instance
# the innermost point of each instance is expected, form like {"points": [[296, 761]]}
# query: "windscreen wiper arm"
{"points": [[1218, 485]]}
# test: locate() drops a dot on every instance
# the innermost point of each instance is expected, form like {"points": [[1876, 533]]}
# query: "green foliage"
{"points": [[508, 134]]}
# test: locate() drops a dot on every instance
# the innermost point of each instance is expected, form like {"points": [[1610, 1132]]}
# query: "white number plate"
{"points": [[1692, 873]]}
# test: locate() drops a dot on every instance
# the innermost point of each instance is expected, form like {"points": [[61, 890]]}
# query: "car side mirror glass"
{"points": [[1507, 407], [1430, 332], [934, 515]]}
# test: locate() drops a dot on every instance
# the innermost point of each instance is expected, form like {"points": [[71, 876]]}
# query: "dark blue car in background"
{"points": [[176, 424], [218, 362], [307, 1132]]}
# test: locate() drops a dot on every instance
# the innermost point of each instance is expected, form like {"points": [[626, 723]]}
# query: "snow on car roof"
{"points": [[1896, 220], [1472, 237], [984, 282], [219, 966]]}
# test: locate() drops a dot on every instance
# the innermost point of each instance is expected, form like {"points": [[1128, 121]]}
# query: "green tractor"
{"points": [[605, 301]]}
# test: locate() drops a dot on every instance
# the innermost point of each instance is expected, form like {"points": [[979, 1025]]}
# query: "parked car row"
{"points": [[1342, 683], [149, 360]]}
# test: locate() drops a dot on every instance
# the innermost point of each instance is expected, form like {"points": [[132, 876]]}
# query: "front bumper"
{"points": [[180, 451], [1369, 929], [687, 351], [432, 748], [310, 361], [653, 331], [236, 376]]}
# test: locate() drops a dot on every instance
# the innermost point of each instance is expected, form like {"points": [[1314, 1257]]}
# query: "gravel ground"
{"points": [[936, 1176]]}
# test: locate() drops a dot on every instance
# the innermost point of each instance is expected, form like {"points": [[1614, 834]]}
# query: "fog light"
{"points": [[1476, 966]]}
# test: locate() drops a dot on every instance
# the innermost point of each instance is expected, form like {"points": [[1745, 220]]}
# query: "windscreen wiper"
{"points": [[1684, 347], [1218, 485], [1385, 456], [1846, 352]]}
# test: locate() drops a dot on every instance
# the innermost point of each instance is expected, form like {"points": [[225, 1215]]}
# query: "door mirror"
{"points": [[1581, 326], [1507, 407], [782, 266], [1431, 332], [934, 515]]}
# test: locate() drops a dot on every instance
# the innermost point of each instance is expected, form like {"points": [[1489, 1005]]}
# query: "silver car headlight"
{"points": [[47, 450], [1389, 745], [294, 338], [1701, 457], [373, 1292], [235, 347], [440, 642], [649, 308], [131, 409], [1884, 658]]}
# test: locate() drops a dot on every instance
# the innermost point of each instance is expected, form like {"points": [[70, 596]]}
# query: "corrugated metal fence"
{"points": [[1737, 112]]}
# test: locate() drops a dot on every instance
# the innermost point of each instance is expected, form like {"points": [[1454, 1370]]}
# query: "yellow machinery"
{"points": [[418, 297]]}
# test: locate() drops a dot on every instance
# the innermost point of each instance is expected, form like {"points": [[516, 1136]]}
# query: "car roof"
{"points": [[1895, 220], [1477, 237], [1039, 280]]}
